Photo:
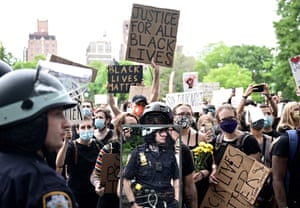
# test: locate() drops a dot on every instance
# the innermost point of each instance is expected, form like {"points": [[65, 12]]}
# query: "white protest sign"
{"points": [[222, 96], [190, 81], [193, 98], [295, 67]]}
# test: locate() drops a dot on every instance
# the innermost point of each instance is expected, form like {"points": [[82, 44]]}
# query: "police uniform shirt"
{"points": [[27, 181], [154, 169]]}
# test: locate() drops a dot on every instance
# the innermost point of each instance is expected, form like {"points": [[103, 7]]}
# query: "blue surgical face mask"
{"points": [[268, 121], [86, 112], [99, 123], [86, 135]]}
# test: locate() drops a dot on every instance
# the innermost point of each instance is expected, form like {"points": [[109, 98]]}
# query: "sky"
{"points": [[76, 23]]}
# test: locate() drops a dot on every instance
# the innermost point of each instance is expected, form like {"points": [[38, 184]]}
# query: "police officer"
{"points": [[32, 125], [154, 169], [160, 113]]}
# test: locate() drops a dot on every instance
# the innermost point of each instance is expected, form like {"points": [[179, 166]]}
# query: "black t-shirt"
{"points": [[248, 146], [281, 148], [187, 160], [80, 166]]}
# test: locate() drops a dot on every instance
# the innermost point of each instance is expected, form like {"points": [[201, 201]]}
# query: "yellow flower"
{"points": [[201, 153]]}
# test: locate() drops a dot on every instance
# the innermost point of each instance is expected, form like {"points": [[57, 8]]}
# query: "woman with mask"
{"points": [[111, 200], [226, 117], [79, 157], [183, 116], [102, 121]]}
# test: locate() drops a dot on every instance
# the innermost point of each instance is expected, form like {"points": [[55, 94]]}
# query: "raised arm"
{"points": [[61, 154], [155, 83], [112, 104]]}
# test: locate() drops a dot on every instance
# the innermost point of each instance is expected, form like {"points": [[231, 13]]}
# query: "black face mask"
{"points": [[258, 125]]}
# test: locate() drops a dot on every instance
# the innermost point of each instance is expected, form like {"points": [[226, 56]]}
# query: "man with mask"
{"points": [[137, 105], [102, 122], [269, 128], [87, 109], [257, 121]]}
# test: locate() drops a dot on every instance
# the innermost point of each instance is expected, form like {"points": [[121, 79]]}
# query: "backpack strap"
{"points": [[241, 140], [293, 143], [75, 152]]}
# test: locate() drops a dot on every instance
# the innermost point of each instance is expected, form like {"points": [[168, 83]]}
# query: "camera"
{"points": [[258, 88]]}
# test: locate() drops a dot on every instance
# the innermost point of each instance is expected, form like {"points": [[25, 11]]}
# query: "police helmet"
{"points": [[157, 113], [26, 96], [4, 68]]}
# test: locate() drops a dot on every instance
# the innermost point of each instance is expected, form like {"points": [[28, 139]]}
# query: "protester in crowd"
{"points": [[160, 113], [290, 117], [79, 157], [205, 124], [226, 116], [286, 170], [32, 125], [269, 121], [265, 198], [183, 116], [241, 110], [87, 108], [111, 200], [103, 132]]}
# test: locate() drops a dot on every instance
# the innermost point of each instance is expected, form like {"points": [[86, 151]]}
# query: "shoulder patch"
{"points": [[57, 199]]}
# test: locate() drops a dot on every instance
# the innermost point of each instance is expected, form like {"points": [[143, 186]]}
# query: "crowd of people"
{"points": [[160, 171]]}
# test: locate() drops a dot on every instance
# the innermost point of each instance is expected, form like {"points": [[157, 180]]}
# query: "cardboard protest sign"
{"points": [[110, 172], [190, 81], [120, 78], [152, 35], [193, 98], [241, 179], [295, 67], [140, 90], [58, 59]]}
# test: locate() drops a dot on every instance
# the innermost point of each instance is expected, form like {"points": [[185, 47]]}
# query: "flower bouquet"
{"points": [[201, 153]]}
